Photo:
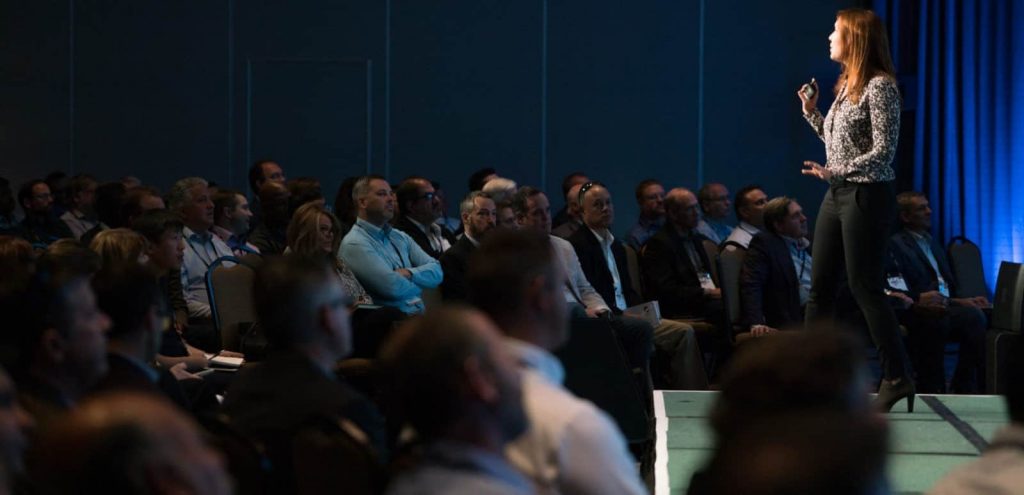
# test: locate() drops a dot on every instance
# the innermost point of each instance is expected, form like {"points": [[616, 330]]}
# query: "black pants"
{"points": [[851, 232]]}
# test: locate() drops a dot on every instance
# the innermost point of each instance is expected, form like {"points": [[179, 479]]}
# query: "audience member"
{"points": [[304, 190], [72, 256], [571, 446], [714, 204], [261, 172], [128, 444], [80, 216], [231, 217], [750, 202], [451, 223], [478, 217], [129, 295], [120, 245], [57, 181], [390, 265], [500, 189], [137, 201], [270, 235], [480, 177], [775, 281], [676, 268], [40, 225], [603, 260], [15, 424], [419, 209], [190, 199], [108, 205], [345, 206], [63, 347], [650, 197], [8, 226], [919, 269], [572, 179], [304, 311], [572, 209], [506, 216], [460, 390], [313, 234], [1000, 466]]}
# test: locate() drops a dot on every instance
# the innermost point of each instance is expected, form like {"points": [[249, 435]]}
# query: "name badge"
{"points": [[897, 282], [705, 280]]}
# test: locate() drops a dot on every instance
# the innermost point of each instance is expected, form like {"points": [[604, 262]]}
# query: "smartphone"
{"points": [[809, 92]]}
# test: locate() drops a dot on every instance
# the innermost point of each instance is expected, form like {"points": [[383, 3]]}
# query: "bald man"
{"points": [[573, 211]]}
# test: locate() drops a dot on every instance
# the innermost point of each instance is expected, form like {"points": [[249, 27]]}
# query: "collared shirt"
{"points": [[460, 469], [644, 229], [714, 230], [606, 241], [238, 244], [742, 234], [925, 245], [571, 446], [999, 470], [802, 265], [78, 222], [201, 250], [374, 253], [578, 288], [434, 235]]}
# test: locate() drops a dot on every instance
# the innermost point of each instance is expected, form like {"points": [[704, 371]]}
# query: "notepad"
{"points": [[649, 311], [226, 362]]}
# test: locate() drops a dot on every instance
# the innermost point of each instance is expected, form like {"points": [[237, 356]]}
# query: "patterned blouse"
{"points": [[860, 139]]}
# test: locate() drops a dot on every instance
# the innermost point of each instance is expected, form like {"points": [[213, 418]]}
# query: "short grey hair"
{"points": [[500, 189], [181, 192], [468, 204], [362, 186]]}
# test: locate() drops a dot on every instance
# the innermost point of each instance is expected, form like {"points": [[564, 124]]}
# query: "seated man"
{"points": [[650, 196], [676, 268], [571, 446], [750, 202], [261, 172], [571, 179], [40, 225], [81, 196], [534, 212], [64, 347], [775, 282], [603, 260], [460, 390], [419, 208], [128, 443], [920, 270], [478, 217], [190, 199], [390, 265], [305, 316], [270, 236], [573, 221], [714, 205], [231, 217]]}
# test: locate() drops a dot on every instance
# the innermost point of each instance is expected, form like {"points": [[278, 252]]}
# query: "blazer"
{"points": [[420, 237], [453, 264], [769, 289], [595, 267], [913, 264], [669, 275]]}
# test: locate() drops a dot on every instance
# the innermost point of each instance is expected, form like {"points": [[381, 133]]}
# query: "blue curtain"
{"points": [[962, 64]]}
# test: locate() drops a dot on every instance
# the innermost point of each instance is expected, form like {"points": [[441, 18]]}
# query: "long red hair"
{"points": [[865, 52]]}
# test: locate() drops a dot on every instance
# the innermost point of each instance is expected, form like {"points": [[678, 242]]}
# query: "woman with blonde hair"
{"points": [[315, 232], [118, 246], [860, 133]]}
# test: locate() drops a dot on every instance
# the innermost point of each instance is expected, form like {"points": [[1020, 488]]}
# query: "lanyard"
{"points": [[201, 257]]}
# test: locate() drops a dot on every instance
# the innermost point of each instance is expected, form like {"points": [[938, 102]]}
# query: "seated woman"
{"points": [[316, 233]]}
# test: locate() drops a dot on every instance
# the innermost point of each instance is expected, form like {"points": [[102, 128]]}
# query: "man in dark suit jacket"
{"points": [[918, 268], [776, 275], [676, 268], [479, 216], [303, 309], [602, 258], [419, 208]]}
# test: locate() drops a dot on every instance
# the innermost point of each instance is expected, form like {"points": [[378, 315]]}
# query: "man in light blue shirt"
{"points": [[190, 198], [390, 265], [714, 204]]}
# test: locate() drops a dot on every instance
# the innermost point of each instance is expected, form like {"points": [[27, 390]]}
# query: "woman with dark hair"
{"points": [[314, 232], [860, 133]]}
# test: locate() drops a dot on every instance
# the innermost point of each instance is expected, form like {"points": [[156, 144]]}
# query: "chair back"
{"points": [[246, 458], [230, 290], [1008, 305], [332, 455], [730, 264], [968, 270], [633, 265]]}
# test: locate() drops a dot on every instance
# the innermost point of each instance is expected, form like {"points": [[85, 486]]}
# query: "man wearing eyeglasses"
{"points": [[419, 207], [40, 225]]}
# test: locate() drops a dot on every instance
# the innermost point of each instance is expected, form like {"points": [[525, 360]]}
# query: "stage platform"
{"points": [[943, 431]]}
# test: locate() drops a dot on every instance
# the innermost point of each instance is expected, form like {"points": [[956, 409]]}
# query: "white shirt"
{"points": [[742, 234], [578, 283], [571, 447], [999, 471], [78, 223], [433, 231], [606, 241]]}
